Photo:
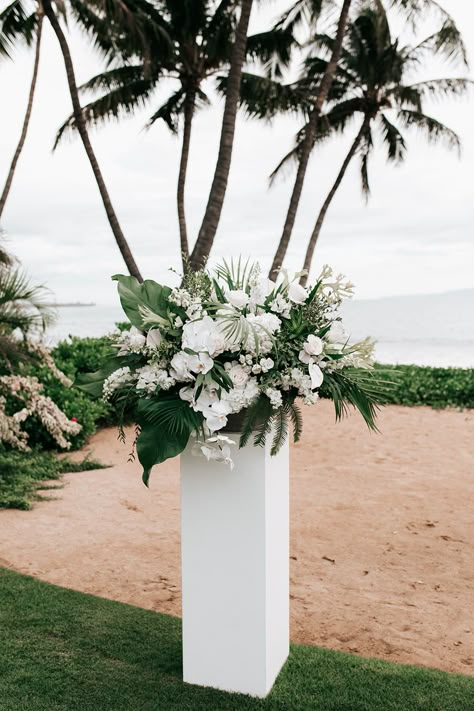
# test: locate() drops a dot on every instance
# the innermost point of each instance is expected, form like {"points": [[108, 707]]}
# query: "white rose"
{"points": [[238, 375], [313, 346], [316, 375], [237, 297], [154, 338], [336, 333], [297, 293]]}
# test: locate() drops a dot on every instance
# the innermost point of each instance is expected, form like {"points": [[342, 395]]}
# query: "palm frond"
{"points": [[435, 131], [396, 146]]}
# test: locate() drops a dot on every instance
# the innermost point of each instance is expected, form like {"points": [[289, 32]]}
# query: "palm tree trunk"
{"points": [[26, 121], [81, 127], [188, 120], [328, 200], [307, 144], [215, 202]]}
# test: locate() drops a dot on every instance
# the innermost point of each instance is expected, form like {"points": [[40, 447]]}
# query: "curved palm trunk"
{"points": [[81, 127], [26, 121], [212, 215], [188, 120], [307, 144], [327, 202]]}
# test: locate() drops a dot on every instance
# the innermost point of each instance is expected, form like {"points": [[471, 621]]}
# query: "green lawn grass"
{"points": [[63, 650]]}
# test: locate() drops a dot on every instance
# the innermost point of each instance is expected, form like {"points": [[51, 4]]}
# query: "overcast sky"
{"points": [[414, 236]]}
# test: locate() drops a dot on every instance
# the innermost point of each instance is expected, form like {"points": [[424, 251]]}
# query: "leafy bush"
{"points": [[422, 385], [22, 474]]}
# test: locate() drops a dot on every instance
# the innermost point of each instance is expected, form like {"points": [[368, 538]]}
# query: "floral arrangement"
{"points": [[231, 343]]}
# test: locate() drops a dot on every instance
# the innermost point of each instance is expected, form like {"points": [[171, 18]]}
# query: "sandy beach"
{"points": [[381, 535]]}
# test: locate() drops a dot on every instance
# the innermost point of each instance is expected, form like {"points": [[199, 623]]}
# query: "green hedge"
{"points": [[435, 387]]}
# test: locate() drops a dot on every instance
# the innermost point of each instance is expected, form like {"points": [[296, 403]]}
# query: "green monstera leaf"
{"points": [[166, 423], [138, 298]]}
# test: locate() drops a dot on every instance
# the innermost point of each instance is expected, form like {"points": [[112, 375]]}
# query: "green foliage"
{"points": [[165, 427], [76, 652], [422, 385], [135, 296], [22, 474]]}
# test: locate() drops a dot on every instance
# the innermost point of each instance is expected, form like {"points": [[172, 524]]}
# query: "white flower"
{"points": [[275, 397], [216, 415], [336, 333], [203, 335], [237, 374], [180, 297], [297, 293], [136, 339], [304, 357], [119, 377], [201, 363], [154, 338], [256, 369], [266, 364], [216, 448], [316, 375], [152, 376], [313, 346], [259, 291], [237, 298], [180, 366], [281, 306]]}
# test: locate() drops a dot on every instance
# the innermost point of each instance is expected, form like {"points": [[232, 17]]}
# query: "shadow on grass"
{"points": [[62, 650]]}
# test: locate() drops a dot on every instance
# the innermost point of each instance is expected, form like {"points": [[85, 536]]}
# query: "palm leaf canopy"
{"points": [[182, 40], [372, 81]]}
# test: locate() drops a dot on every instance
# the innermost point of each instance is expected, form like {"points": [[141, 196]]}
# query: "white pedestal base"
{"points": [[235, 569]]}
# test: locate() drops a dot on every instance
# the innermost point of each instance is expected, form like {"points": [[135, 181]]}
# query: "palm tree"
{"points": [[96, 17], [195, 42], [82, 128], [371, 75], [448, 39], [308, 139], [16, 24]]}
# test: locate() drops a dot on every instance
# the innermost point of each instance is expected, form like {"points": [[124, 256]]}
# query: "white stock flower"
{"points": [[237, 298], [297, 293], [119, 377], [151, 376]]}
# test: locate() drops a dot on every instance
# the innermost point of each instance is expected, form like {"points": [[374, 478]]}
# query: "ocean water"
{"points": [[432, 329]]}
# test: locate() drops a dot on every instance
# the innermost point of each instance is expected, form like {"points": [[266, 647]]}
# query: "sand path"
{"points": [[381, 540]]}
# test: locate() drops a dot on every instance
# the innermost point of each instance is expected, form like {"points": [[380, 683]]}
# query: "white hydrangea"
{"points": [[275, 397], [132, 341], [151, 376], [263, 326]]}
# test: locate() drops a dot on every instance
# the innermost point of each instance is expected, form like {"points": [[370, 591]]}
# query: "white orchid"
{"points": [[316, 375]]}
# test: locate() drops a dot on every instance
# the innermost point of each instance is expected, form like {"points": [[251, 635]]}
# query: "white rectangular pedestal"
{"points": [[235, 569]]}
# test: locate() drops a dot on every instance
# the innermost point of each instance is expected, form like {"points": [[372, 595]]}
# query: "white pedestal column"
{"points": [[235, 569]]}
